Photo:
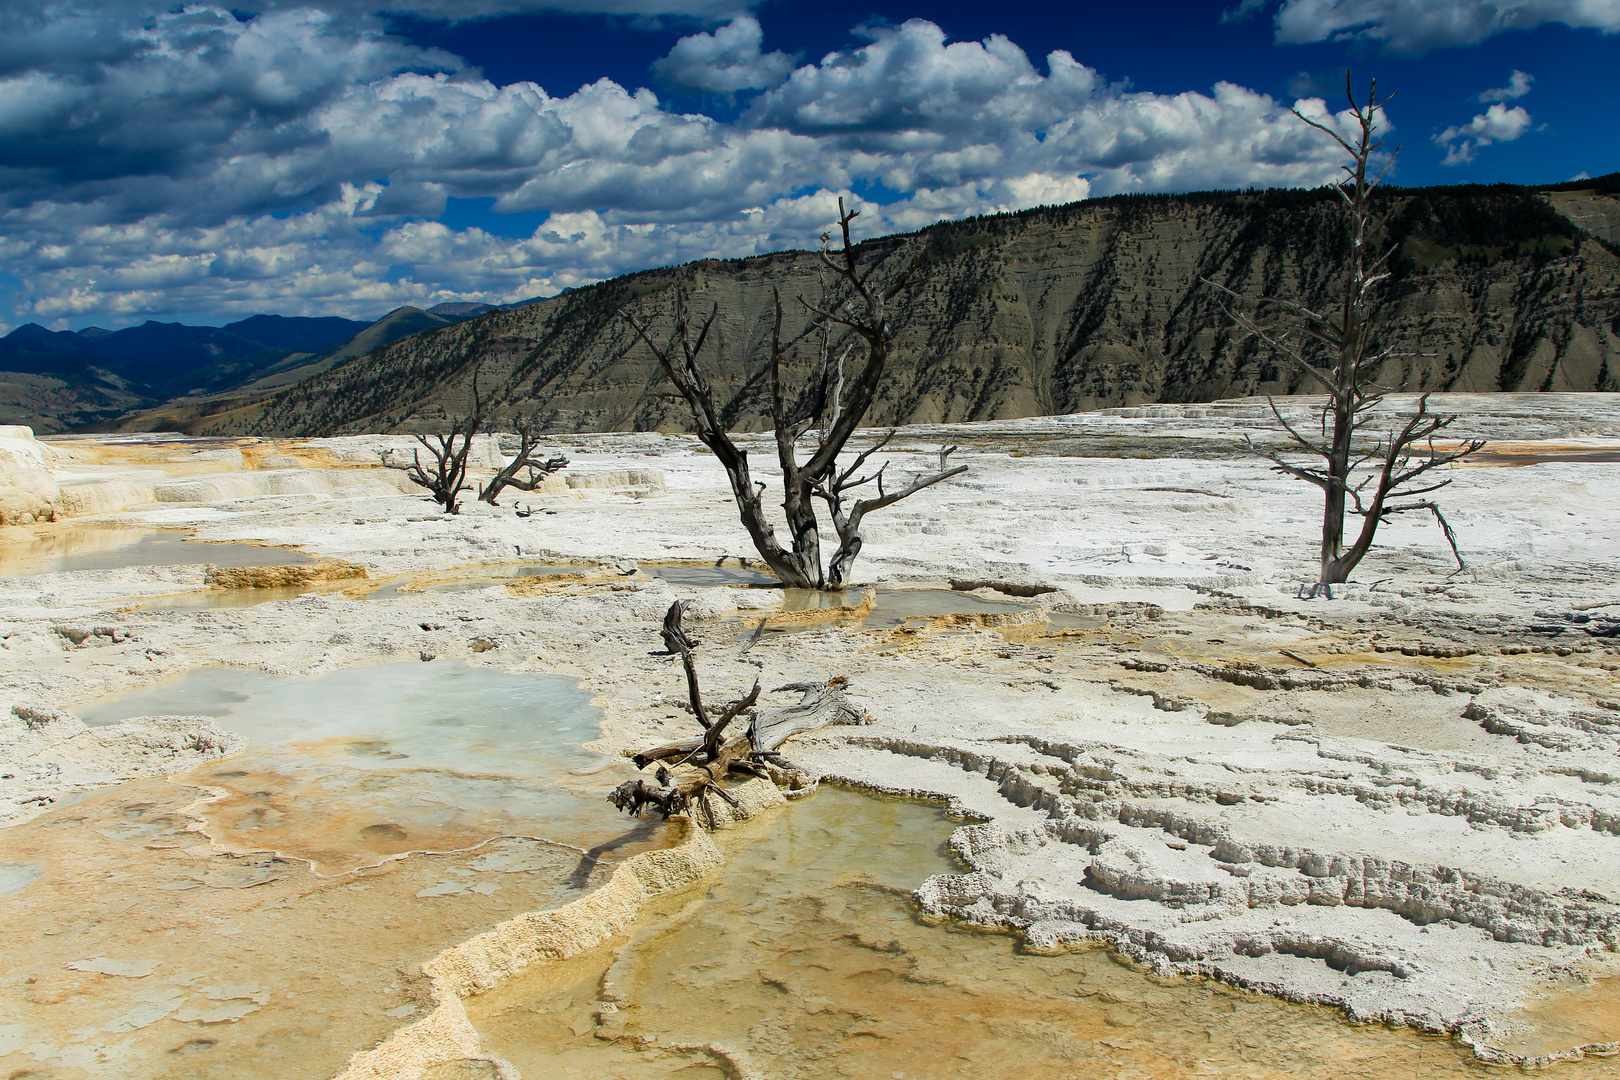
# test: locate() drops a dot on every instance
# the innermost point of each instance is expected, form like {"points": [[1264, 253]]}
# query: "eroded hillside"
{"points": [[1052, 310]]}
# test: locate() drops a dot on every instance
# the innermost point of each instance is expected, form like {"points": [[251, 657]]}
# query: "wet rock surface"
{"points": [[834, 975]]}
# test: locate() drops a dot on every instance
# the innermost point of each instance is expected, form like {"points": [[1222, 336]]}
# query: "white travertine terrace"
{"points": [[1403, 802]]}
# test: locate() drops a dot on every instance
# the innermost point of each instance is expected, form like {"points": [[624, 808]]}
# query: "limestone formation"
{"points": [[28, 491], [1403, 803]]}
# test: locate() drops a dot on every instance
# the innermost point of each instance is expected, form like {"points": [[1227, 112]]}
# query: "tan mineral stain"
{"points": [[1500, 453], [334, 818], [282, 577], [1575, 1016], [244, 965], [804, 959]]}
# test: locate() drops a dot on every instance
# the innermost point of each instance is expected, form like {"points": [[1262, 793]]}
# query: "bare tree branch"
{"points": [[837, 404], [523, 462]]}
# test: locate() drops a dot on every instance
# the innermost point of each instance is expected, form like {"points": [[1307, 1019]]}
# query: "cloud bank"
{"points": [[213, 162]]}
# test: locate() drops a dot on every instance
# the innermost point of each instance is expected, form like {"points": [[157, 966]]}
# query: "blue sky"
{"points": [[205, 163]]}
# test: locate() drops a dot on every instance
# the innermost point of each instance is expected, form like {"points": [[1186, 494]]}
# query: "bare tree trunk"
{"points": [[446, 478], [833, 489], [679, 361], [1344, 338], [528, 432], [1335, 494], [862, 312]]}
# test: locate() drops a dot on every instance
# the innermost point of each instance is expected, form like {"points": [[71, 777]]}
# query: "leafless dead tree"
{"points": [[833, 414], [533, 470], [701, 763], [1336, 348], [446, 477]]}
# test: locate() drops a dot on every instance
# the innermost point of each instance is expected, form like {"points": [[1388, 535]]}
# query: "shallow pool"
{"points": [[93, 548], [805, 960], [222, 598], [706, 577], [895, 606], [392, 590], [350, 766], [266, 915]]}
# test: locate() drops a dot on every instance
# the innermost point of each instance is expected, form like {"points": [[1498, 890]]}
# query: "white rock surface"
{"points": [[28, 491], [47, 752], [1418, 822]]}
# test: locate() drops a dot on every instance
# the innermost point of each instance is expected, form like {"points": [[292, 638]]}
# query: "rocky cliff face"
{"points": [[1053, 310]]}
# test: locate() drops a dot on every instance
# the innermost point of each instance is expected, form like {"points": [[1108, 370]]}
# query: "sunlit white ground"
{"points": [[1401, 801]]}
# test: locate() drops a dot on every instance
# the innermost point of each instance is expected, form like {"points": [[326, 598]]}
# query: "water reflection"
{"points": [[97, 548]]}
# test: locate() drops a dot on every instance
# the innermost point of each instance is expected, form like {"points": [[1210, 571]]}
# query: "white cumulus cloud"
{"points": [[1413, 27], [1518, 86], [213, 162], [1496, 124], [724, 62]]}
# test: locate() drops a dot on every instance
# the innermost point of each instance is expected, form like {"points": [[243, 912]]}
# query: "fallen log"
{"points": [[701, 763], [822, 704]]}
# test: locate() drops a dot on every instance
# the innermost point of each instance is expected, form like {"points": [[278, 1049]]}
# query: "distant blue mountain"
{"points": [[76, 379], [455, 309], [164, 359], [465, 309]]}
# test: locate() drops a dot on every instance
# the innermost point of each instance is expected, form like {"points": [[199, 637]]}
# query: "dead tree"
{"points": [[1336, 348], [446, 477], [525, 471], [833, 413], [847, 521], [702, 762]]}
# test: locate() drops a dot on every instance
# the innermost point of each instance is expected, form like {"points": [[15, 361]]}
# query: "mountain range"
{"points": [[59, 380], [1057, 309]]}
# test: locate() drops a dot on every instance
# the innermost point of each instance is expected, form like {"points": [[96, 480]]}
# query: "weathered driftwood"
{"points": [[632, 795], [703, 762], [821, 704]]}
